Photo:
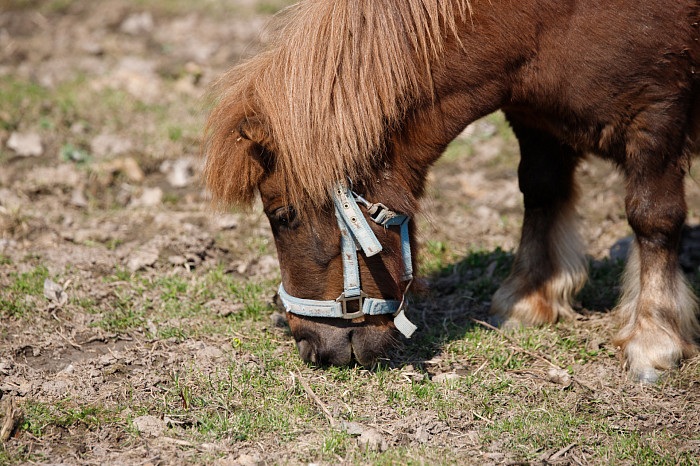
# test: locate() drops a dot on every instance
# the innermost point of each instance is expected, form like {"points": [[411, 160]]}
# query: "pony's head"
{"points": [[314, 125], [308, 238]]}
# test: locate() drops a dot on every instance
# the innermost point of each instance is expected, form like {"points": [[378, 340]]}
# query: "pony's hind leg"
{"points": [[657, 308], [549, 267]]}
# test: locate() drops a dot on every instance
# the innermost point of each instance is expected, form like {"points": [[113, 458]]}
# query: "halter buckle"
{"points": [[344, 301]]}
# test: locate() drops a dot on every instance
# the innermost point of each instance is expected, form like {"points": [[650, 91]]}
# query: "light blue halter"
{"points": [[354, 231]]}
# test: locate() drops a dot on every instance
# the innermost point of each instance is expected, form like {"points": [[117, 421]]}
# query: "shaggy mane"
{"points": [[337, 78]]}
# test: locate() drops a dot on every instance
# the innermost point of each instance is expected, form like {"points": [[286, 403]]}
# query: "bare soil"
{"points": [[110, 207]]}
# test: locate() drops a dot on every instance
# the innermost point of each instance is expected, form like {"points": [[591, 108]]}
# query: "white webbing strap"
{"points": [[354, 230]]}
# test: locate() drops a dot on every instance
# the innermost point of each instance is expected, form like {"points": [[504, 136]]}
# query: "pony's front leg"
{"points": [[657, 308], [549, 267]]}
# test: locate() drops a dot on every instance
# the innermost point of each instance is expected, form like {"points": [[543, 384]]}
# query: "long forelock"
{"points": [[338, 77]]}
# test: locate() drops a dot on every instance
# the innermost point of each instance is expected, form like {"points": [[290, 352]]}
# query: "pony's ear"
{"points": [[255, 129], [237, 158]]}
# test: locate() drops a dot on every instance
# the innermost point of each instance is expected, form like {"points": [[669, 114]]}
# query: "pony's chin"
{"points": [[324, 341]]}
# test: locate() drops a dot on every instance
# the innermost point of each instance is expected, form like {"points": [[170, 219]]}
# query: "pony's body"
{"points": [[375, 90]]}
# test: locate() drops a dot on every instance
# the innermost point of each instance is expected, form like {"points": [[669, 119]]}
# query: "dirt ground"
{"points": [[101, 113]]}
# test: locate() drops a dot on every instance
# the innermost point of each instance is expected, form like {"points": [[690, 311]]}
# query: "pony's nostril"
{"points": [[306, 351]]}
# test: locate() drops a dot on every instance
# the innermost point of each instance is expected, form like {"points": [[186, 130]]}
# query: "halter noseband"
{"points": [[355, 232]]}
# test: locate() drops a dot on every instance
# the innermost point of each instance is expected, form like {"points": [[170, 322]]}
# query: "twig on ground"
{"points": [[12, 415], [516, 344], [561, 452], [540, 357], [316, 399], [70, 342]]}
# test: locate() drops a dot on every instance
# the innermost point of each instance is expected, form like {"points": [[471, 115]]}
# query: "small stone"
{"points": [[105, 144], [422, 434], [249, 460], [69, 369], [371, 440], [446, 377], [150, 197], [266, 265], [152, 328], [141, 259], [26, 144], [149, 425], [137, 23], [559, 376], [78, 198], [55, 388], [64, 174], [231, 309], [209, 352], [5, 367], [353, 429], [128, 166], [91, 47], [179, 172], [177, 260], [227, 222], [54, 292], [79, 127]]}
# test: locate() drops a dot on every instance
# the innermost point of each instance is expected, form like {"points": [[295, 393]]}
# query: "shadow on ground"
{"points": [[458, 294]]}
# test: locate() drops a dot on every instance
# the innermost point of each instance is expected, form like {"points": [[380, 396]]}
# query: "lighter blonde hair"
{"points": [[337, 79]]}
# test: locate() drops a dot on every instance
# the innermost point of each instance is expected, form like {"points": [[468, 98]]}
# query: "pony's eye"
{"points": [[284, 216]]}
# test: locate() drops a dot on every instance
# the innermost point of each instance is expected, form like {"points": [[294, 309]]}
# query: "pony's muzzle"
{"points": [[336, 342]]}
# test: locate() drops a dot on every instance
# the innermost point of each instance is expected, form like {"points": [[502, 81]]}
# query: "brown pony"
{"points": [[374, 90]]}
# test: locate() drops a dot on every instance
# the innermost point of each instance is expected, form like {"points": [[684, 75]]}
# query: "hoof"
{"points": [[645, 375]]}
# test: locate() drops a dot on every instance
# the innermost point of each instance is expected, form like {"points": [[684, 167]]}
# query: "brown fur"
{"points": [[333, 85], [376, 89]]}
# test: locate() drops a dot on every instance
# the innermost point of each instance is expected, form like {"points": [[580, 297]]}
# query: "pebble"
{"points": [[372, 440], [179, 172], [353, 429], [61, 175], [228, 310], [446, 377], [5, 367], [78, 198], [110, 144], [209, 352], [559, 376], [150, 197], [128, 166], [266, 265], [26, 144], [54, 292], [54, 388], [141, 259], [227, 222], [149, 425], [137, 23], [249, 460]]}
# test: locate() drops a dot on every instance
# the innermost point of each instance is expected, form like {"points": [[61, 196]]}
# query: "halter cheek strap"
{"points": [[356, 233]]}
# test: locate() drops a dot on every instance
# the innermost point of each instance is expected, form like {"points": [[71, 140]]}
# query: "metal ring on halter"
{"points": [[355, 230]]}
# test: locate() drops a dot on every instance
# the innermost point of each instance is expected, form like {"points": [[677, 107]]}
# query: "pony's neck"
{"points": [[471, 80]]}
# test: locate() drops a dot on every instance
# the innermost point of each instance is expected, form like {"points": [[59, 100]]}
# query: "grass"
{"points": [[249, 394], [19, 297], [39, 417], [169, 300], [195, 349]]}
